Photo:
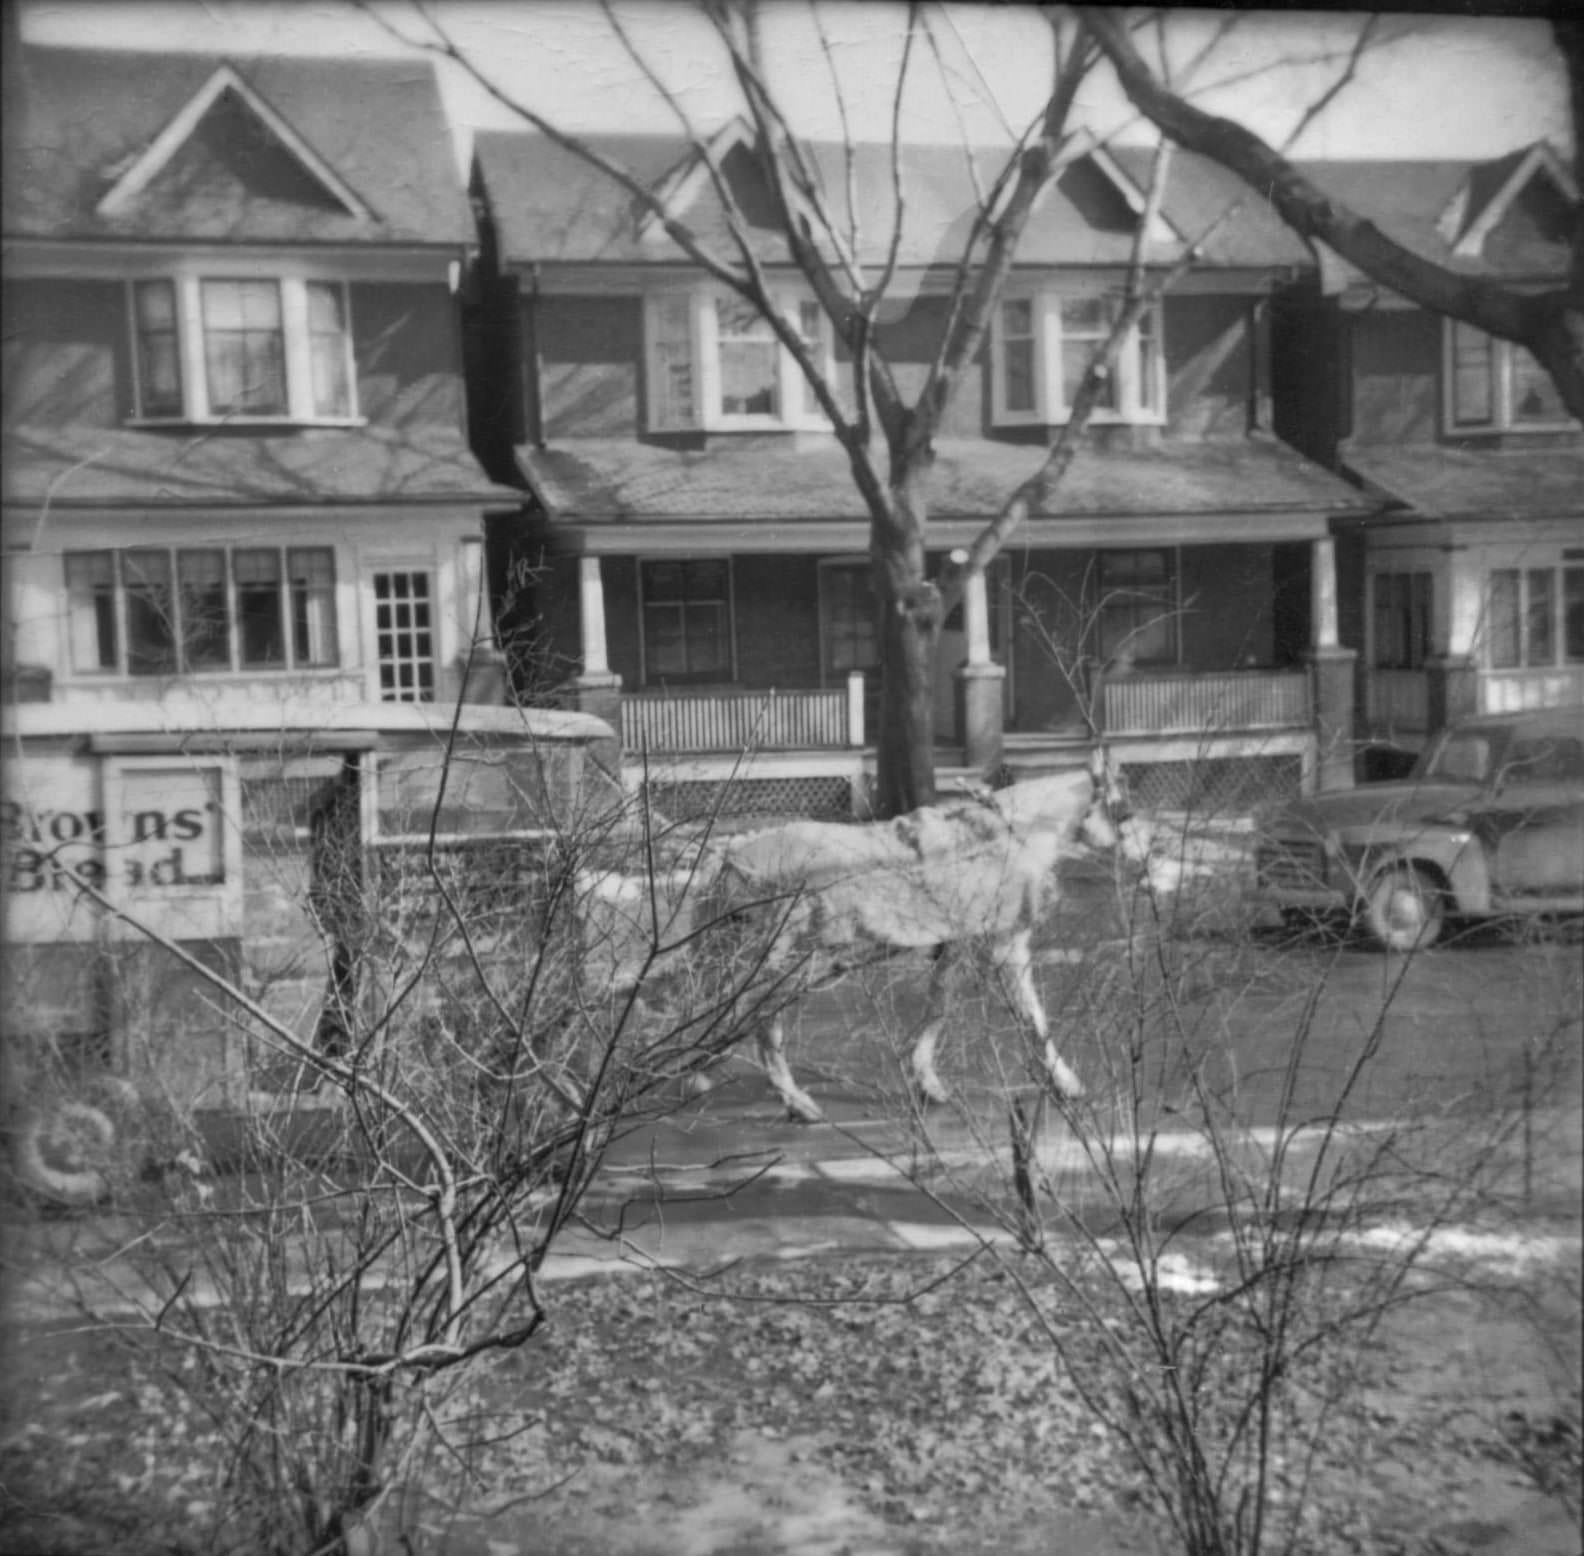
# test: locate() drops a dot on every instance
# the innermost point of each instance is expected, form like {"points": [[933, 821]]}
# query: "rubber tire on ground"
{"points": [[44, 1132], [1406, 910]]}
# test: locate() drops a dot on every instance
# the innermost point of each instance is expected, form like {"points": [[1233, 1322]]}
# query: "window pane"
{"points": [[1137, 598], [671, 327], [312, 571], [1573, 614], [1472, 362], [1502, 626], [1534, 395], [244, 351], [151, 622], [1017, 319], [1017, 364], [259, 628], [1540, 618], [90, 596], [206, 639], [159, 360], [749, 355], [327, 351], [1148, 350], [1086, 316], [665, 642], [811, 329], [1076, 356]]}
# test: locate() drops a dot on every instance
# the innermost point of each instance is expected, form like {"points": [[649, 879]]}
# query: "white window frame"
{"points": [[704, 342], [1502, 421], [187, 282], [234, 668], [1524, 572], [1049, 408], [731, 616]]}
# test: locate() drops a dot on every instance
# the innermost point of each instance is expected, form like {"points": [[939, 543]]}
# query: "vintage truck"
{"points": [[1489, 824]]}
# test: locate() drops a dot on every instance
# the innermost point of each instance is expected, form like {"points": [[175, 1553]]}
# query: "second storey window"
{"points": [[1041, 346], [156, 611], [716, 364], [1494, 386], [224, 348]]}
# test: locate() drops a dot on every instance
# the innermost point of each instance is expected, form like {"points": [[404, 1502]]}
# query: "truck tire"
{"points": [[61, 1152], [1406, 909]]}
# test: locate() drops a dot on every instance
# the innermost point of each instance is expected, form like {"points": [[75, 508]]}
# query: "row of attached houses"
{"points": [[291, 416]]}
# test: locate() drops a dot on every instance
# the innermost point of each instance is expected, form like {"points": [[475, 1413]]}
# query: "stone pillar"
{"points": [[596, 688], [1451, 689], [980, 682]]}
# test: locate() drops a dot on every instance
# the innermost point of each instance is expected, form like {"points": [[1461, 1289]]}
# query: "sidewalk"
{"points": [[690, 1195]]}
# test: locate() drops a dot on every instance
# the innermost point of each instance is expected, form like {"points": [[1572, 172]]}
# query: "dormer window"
{"points": [[1495, 386], [242, 349], [716, 365], [1040, 347]]}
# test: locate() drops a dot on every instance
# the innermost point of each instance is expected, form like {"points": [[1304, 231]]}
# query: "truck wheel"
{"points": [[61, 1152], [1406, 910]]}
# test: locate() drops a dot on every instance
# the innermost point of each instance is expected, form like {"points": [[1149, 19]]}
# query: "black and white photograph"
{"points": [[791, 778]]}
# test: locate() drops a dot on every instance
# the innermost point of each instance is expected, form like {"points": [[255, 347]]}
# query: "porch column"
{"points": [[980, 682], [1452, 676], [1331, 673], [33, 618], [482, 668], [595, 688]]}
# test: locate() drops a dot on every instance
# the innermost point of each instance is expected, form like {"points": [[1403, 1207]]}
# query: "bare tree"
{"points": [[887, 437], [1548, 322]]}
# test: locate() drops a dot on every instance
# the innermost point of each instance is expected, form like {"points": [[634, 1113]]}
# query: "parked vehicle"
{"points": [[1490, 824]]}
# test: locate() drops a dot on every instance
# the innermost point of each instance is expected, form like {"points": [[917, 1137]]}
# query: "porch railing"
{"points": [[823, 718], [1204, 701]]}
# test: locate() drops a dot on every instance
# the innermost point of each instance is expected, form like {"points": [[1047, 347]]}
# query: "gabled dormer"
{"points": [[227, 142], [1513, 213]]}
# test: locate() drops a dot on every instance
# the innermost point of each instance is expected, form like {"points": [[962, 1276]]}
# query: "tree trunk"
{"points": [[910, 623]]}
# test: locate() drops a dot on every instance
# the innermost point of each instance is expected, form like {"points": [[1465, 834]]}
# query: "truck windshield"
{"points": [[1460, 757]]}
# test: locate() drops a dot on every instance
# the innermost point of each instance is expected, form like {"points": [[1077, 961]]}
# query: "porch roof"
{"points": [[617, 494], [1480, 483], [78, 466]]}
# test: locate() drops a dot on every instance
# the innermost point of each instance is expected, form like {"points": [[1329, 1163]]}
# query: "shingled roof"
{"points": [[622, 480], [1484, 483], [82, 466], [551, 206], [263, 163]]}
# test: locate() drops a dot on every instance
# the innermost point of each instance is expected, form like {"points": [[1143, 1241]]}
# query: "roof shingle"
{"points": [[378, 124]]}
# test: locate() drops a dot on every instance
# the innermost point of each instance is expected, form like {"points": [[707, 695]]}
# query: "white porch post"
{"points": [[855, 707], [591, 618], [976, 618], [480, 664], [980, 682], [1323, 594], [1331, 668], [596, 689]]}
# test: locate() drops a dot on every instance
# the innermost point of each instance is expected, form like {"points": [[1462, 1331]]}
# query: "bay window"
{"points": [[714, 363], [157, 611], [1495, 386], [242, 348], [1041, 345]]}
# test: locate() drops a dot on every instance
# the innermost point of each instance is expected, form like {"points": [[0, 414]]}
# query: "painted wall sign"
{"points": [[152, 834]]}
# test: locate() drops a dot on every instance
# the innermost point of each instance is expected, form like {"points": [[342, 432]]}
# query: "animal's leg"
{"points": [[1018, 962], [772, 1054], [926, 1080]]}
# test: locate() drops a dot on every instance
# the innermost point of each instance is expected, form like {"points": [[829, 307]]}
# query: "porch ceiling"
{"points": [[610, 495]]}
